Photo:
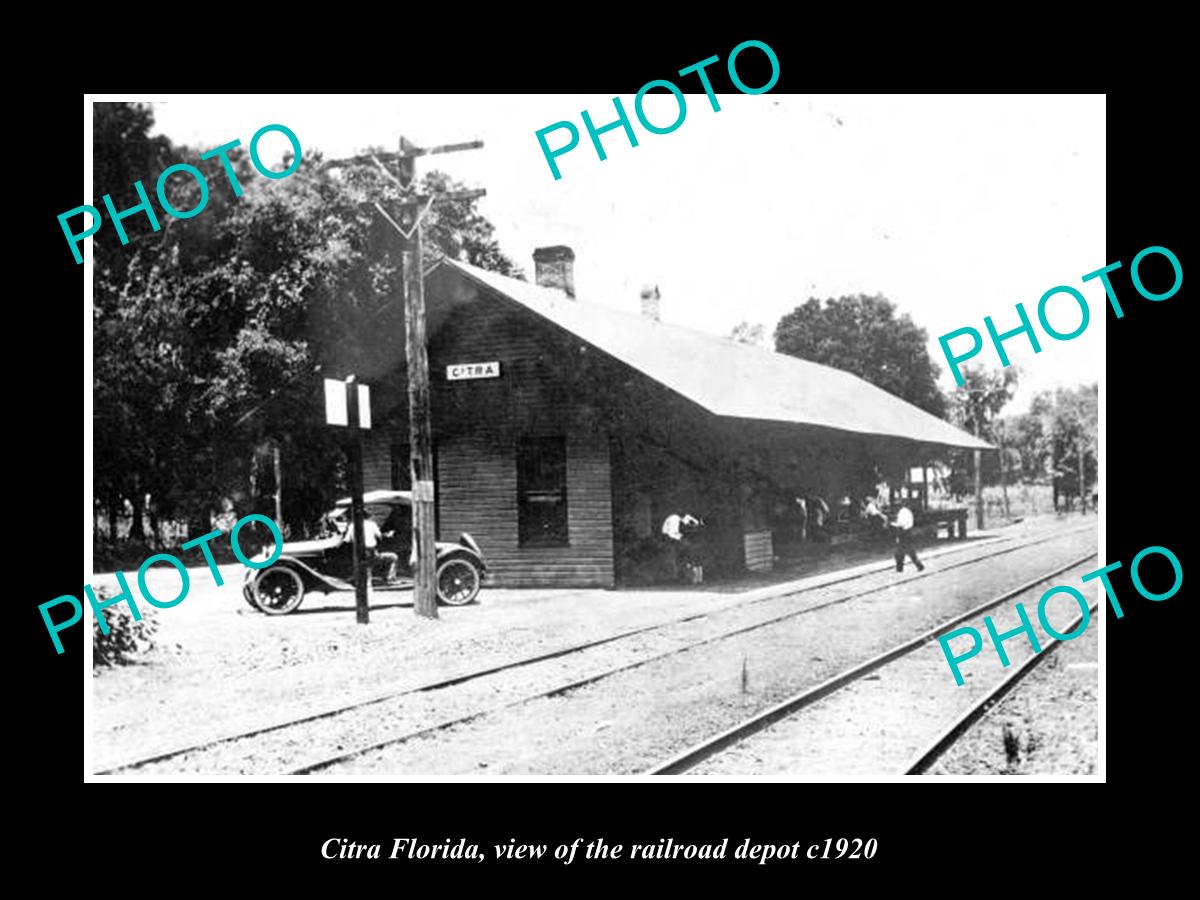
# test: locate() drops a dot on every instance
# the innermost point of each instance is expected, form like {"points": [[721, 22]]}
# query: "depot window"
{"points": [[542, 492]]}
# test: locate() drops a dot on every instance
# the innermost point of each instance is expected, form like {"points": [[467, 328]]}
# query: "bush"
{"points": [[128, 639]]}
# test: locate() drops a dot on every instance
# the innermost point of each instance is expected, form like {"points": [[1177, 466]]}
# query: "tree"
{"points": [[1029, 447], [974, 406], [863, 335], [745, 333], [1070, 420], [134, 316], [209, 333]]}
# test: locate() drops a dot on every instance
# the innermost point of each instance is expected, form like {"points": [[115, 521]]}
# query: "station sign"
{"points": [[468, 371]]}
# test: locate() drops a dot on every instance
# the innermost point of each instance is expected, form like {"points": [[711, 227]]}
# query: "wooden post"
{"points": [[1053, 467], [419, 416], [978, 483], [419, 419], [1003, 470], [362, 570], [278, 484], [1079, 452]]}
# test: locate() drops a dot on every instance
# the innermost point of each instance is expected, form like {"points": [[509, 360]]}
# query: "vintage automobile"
{"points": [[327, 563]]}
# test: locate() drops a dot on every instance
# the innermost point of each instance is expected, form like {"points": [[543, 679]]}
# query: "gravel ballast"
{"points": [[630, 721], [1049, 724], [234, 669]]}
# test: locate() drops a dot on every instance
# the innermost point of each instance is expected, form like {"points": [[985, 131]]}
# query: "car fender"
{"points": [[447, 551], [313, 580]]}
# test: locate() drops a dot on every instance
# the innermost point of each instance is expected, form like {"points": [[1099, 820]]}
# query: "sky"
{"points": [[954, 207]]}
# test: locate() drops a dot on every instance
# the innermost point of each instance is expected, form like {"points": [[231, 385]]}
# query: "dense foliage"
{"points": [[864, 335], [210, 335], [1058, 434], [974, 407], [1042, 446]]}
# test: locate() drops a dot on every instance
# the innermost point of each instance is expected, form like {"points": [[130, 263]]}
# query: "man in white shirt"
{"points": [[872, 514], [372, 538], [672, 531], [904, 526]]}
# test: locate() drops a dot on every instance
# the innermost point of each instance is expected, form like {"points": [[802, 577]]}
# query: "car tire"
{"points": [[278, 591], [458, 581], [248, 596]]}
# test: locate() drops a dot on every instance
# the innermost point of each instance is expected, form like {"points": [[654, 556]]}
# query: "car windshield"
{"points": [[335, 523], [387, 516]]}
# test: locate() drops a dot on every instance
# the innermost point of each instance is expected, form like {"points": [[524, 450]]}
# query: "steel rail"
{"points": [[710, 747], [393, 693], [951, 735], [322, 763]]}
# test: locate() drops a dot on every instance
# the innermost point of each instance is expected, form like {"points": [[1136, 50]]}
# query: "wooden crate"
{"points": [[760, 552]]}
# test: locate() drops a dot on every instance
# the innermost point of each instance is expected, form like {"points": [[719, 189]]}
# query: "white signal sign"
{"points": [[336, 407]]}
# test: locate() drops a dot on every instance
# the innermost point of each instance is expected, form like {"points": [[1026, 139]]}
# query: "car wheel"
{"points": [[248, 595], [278, 591], [457, 582]]}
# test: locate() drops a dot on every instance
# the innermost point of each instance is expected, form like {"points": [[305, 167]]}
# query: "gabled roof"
{"points": [[728, 378]]}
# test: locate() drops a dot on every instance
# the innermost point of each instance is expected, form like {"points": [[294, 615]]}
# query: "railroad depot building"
{"points": [[566, 431]]}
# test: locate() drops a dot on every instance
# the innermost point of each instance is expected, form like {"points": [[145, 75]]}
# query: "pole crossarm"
{"points": [[442, 148], [411, 153], [470, 194]]}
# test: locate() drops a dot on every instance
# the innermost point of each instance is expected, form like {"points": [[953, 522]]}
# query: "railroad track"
{"points": [[925, 760], [731, 737], [327, 761]]}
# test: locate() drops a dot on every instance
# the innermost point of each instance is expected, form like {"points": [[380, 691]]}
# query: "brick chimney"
{"points": [[554, 267], [650, 303]]}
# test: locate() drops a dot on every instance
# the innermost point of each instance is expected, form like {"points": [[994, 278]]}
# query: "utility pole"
{"points": [[414, 207], [1054, 465], [978, 482], [1003, 469], [1079, 453], [420, 426]]}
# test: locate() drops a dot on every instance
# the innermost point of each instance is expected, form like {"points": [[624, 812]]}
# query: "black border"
{"points": [[274, 832]]}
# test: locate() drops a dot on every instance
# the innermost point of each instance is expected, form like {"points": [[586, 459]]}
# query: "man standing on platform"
{"points": [[904, 546], [673, 540]]}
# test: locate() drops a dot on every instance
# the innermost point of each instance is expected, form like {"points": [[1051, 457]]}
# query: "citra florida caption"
{"points": [[1026, 627], [126, 595], [74, 240]]}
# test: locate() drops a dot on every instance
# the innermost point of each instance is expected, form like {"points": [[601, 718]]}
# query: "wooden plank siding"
{"points": [[636, 451], [478, 482], [477, 424]]}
